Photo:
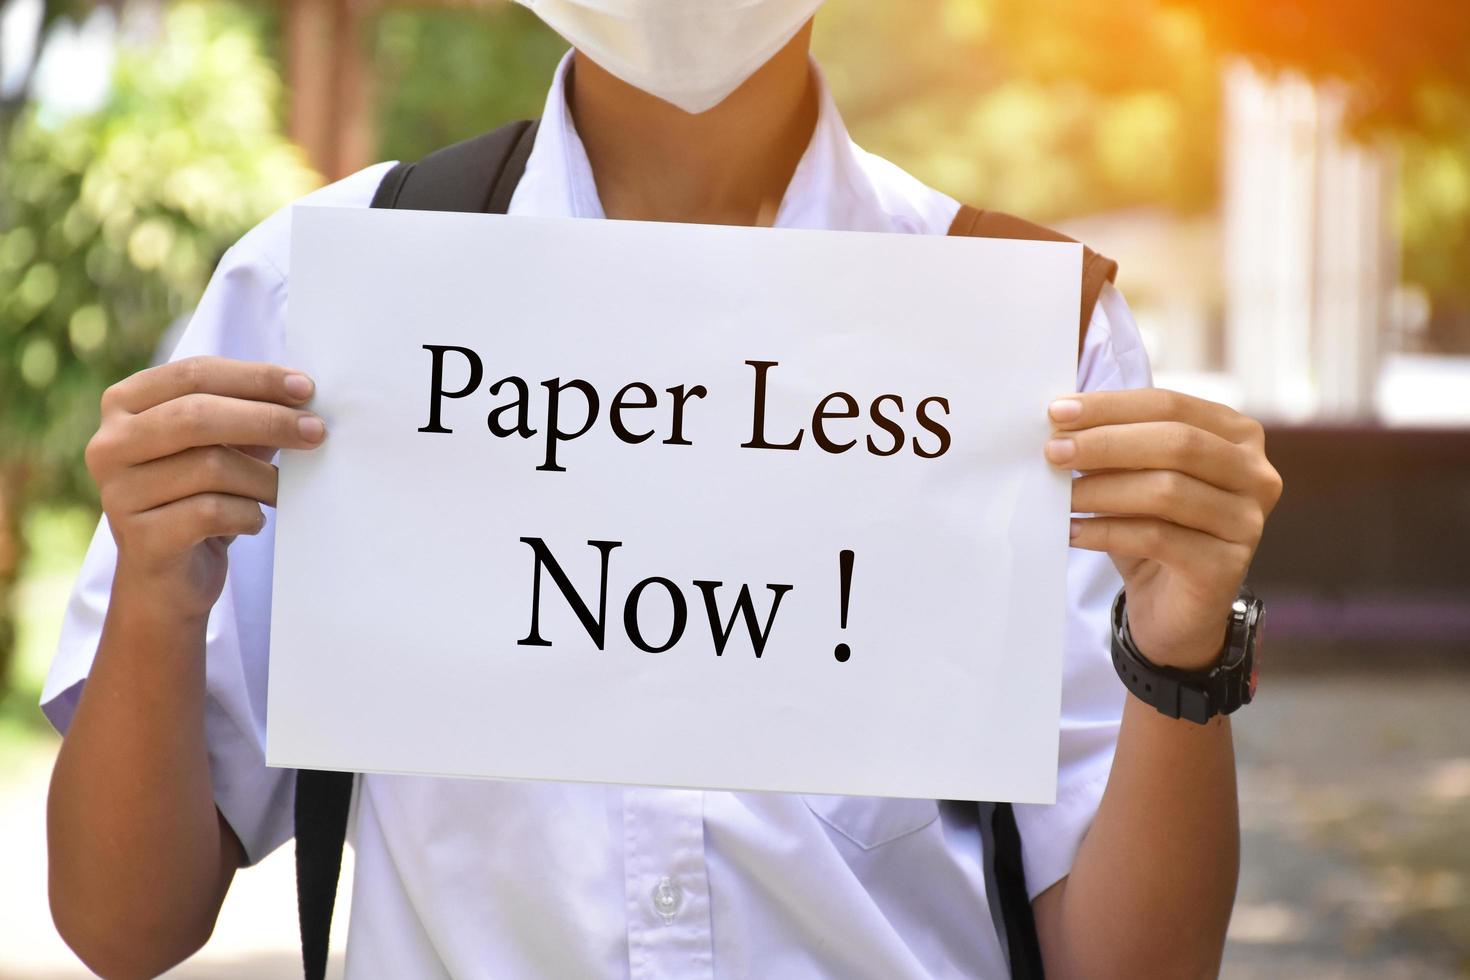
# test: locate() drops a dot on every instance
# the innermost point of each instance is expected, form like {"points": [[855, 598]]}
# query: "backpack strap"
{"points": [[1097, 270], [1022, 944], [479, 174], [322, 802]]}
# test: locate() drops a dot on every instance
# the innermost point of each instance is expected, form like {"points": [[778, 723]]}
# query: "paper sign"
{"points": [[674, 505]]}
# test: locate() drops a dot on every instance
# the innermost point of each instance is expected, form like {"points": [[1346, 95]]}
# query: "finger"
{"points": [[1157, 446], [1094, 408], [210, 420], [1199, 556], [250, 380], [203, 469], [1174, 497], [180, 524]]}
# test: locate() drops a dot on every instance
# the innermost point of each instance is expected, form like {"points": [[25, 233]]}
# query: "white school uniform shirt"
{"points": [[481, 878]]}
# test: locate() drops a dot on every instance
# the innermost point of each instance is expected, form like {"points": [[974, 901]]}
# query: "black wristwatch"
{"points": [[1195, 695]]}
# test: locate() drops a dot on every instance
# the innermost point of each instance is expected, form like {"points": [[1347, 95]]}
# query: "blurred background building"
{"points": [[1286, 184]]}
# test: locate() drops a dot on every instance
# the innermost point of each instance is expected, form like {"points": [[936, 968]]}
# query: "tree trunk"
{"points": [[331, 83]]}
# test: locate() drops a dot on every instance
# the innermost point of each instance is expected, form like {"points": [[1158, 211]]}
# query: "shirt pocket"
{"points": [[871, 821]]}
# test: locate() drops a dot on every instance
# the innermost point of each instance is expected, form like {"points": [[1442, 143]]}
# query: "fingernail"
{"points": [[1076, 528], [299, 386], [311, 428], [1065, 409], [1060, 450]]}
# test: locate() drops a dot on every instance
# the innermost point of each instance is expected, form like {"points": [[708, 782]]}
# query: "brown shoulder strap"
{"points": [[1097, 270]]}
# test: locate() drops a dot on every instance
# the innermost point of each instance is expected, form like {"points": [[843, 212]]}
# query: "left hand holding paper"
{"points": [[1180, 489]]}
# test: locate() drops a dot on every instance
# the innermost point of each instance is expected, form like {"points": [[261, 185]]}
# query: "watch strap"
{"points": [[1195, 696]]}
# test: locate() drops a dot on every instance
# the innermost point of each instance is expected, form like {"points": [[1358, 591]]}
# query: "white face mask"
{"points": [[692, 53]]}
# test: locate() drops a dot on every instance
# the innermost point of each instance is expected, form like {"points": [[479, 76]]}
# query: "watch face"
{"points": [[1257, 645]]}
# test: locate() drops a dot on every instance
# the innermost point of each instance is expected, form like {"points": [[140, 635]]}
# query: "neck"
{"points": [[654, 162]]}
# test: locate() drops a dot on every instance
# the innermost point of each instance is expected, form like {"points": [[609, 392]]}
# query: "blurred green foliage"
{"points": [[447, 75], [1042, 107], [113, 221], [58, 538], [1434, 219]]}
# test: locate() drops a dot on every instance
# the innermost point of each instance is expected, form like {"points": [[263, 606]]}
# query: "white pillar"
{"points": [[1306, 239]]}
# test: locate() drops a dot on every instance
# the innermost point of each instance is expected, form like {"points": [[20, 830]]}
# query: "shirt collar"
{"points": [[829, 188]]}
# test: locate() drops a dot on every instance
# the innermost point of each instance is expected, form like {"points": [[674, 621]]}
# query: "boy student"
{"points": [[669, 110]]}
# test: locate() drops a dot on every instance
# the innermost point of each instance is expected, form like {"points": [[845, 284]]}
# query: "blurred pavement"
{"points": [[1355, 813]]}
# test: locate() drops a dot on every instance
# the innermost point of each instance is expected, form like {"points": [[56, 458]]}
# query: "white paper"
{"points": [[403, 587]]}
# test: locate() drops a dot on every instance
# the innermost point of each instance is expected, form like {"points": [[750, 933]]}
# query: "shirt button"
{"points": [[667, 897]]}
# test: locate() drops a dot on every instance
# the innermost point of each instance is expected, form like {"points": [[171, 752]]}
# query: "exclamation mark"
{"points": [[844, 569]]}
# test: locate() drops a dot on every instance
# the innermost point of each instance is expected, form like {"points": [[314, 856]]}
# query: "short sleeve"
{"points": [[242, 315], [1113, 358]]}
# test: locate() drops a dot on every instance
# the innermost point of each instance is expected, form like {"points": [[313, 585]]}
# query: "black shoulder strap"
{"points": [[322, 802], [479, 174], [1022, 944], [1097, 270]]}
